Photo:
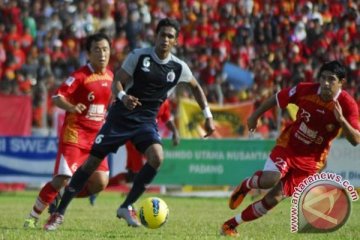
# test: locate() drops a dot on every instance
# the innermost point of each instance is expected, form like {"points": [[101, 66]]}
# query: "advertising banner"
{"points": [[230, 120], [212, 162], [27, 159], [194, 162]]}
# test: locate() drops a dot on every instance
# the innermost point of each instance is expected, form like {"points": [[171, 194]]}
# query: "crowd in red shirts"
{"points": [[280, 42]]}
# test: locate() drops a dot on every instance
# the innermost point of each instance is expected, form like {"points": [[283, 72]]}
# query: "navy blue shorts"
{"points": [[112, 136]]}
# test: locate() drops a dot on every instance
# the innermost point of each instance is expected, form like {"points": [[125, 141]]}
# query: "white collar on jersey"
{"points": [[335, 97], [157, 59]]}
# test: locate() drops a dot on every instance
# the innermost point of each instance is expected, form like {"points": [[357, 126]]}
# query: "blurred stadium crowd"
{"points": [[282, 42]]}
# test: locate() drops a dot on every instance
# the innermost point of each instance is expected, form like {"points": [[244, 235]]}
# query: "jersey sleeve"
{"points": [[130, 62], [69, 86], [284, 96], [351, 113], [186, 74], [291, 94]]}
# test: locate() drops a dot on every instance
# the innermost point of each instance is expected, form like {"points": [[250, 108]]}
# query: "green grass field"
{"points": [[190, 218]]}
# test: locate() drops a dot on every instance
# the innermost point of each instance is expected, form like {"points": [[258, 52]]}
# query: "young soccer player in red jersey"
{"points": [[302, 147], [85, 96]]}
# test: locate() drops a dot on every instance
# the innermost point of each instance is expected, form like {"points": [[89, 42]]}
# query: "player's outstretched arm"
{"points": [[266, 105], [175, 134], [202, 101], [351, 133]]}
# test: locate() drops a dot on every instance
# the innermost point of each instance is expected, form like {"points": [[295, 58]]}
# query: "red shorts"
{"points": [[70, 157], [291, 176], [135, 160]]}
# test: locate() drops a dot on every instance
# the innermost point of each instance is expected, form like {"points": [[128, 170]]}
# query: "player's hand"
{"points": [[252, 123], [175, 139], [131, 102], [338, 112], [78, 108], [209, 127]]}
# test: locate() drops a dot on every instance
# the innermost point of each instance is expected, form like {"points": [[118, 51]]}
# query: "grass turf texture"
{"points": [[189, 218]]}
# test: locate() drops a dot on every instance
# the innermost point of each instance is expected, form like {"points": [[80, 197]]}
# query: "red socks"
{"points": [[47, 194], [255, 210], [254, 181]]}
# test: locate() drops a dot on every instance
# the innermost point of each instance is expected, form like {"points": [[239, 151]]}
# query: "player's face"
{"points": [[330, 85], [165, 40], [99, 55]]}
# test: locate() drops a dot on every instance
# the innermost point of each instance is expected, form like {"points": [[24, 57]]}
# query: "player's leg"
{"points": [[265, 179], [108, 140], [96, 183], [98, 180], [62, 172], [254, 210], [77, 183], [154, 155], [134, 162], [46, 196]]}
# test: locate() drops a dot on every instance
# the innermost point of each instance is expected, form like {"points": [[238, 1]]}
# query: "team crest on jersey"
{"points": [[146, 64], [330, 127], [69, 81], [170, 77]]}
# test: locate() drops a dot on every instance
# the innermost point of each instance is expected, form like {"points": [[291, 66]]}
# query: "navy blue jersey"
{"points": [[153, 80]]}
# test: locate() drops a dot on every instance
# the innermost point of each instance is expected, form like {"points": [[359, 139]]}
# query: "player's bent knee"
{"points": [[59, 181], [98, 182], [154, 155], [155, 162], [269, 179]]}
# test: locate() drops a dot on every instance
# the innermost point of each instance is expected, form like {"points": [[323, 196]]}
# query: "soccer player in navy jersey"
{"points": [[146, 78]]}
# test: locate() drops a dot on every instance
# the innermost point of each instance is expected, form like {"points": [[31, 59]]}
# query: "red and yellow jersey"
{"points": [[94, 91], [310, 135]]}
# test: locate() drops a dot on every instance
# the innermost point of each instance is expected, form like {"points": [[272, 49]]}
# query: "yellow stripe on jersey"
{"points": [[97, 77]]}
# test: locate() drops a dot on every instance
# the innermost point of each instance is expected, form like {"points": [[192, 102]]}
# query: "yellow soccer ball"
{"points": [[153, 212]]}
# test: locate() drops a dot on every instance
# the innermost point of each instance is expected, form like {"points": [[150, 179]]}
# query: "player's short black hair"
{"points": [[168, 22], [335, 67], [96, 37]]}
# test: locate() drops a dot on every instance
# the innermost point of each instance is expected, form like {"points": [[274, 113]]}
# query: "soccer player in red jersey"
{"points": [[85, 96], [302, 147]]}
